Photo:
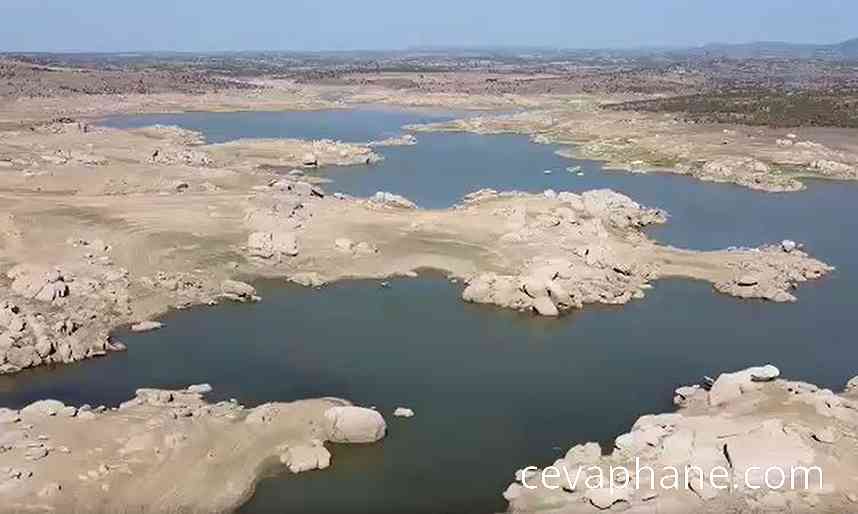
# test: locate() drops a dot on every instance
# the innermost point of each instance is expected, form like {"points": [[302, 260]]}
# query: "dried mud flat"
{"points": [[103, 227]]}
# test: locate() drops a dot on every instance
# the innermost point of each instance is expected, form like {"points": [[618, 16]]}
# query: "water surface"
{"points": [[493, 390]]}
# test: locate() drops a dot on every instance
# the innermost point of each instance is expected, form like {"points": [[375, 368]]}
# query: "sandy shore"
{"points": [[103, 227]]}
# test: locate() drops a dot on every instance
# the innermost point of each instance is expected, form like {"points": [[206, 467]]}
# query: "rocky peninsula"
{"points": [[60, 458], [764, 159], [107, 227], [748, 441]]}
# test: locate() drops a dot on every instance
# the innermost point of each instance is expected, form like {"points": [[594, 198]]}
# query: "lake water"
{"points": [[493, 390]]}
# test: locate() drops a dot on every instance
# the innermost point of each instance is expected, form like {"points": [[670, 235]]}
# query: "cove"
{"points": [[493, 390]]}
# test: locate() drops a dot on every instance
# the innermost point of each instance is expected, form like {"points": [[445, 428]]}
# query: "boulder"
{"points": [[310, 160], [146, 326], [237, 290], [349, 424], [764, 373], [747, 280], [403, 412], [392, 200], [788, 246], [730, 386], [23, 357], [306, 458], [545, 307], [43, 408], [200, 389], [38, 283], [307, 279]]}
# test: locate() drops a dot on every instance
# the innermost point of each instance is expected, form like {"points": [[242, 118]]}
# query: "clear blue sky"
{"points": [[208, 25]]}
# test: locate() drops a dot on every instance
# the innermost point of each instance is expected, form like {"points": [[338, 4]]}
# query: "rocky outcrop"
{"points": [[403, 140], [146, 326], [54, 317], [348, 424], [771, 272], [238, 291], [386, 199], [257, 153], [752, 442], [549, 287], [60, 458], [745, 171]]}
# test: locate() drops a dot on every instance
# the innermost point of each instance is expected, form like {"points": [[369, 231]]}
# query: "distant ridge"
{"points": [[778, 49]]}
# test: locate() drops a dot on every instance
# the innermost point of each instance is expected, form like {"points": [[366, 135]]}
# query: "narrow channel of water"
{"points": [[493, 390]]}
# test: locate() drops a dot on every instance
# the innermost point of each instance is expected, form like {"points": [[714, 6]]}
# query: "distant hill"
{"points": [[778, 49]]}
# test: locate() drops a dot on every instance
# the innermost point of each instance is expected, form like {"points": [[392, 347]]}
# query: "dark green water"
{"points": [[493, 390]]}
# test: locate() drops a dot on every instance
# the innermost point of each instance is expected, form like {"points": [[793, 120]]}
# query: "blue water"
{"points": [[493, 390]]}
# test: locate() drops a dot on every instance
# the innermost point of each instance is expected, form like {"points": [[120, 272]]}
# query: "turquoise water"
{"points": [[493, 390]]}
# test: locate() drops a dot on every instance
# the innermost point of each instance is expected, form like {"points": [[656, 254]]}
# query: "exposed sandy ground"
{"points": [[165, 451], [104, 227]]}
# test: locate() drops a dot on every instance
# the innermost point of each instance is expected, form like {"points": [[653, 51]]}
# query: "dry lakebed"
{"points": [[138, 373]]}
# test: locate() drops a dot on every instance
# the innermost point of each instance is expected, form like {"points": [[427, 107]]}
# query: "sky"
{"points": [[305, 25]]}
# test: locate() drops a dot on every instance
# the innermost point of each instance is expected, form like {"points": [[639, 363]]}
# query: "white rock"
{"points": [[349, 424], [747, 280], [403, 412], [307, 279], [310, 160], [306, 458], [545, 307], [43, 408], [393, 200], [200, 389], [237, 289], [788, 245], [146, 326]]}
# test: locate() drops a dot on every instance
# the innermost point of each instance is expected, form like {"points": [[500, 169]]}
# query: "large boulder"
{"points": [[43, 408], [146, 326], [730, 386], [237, 290], [41, 284], [306, 458], [349, 424], [392, 200], [23, 357]]}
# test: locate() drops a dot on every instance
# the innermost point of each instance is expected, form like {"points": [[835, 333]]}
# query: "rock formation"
{"points": [[60, 458], [752, 442]]}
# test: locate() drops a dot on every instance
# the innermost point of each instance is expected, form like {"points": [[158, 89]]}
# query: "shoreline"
{"points": [[140, 247]]}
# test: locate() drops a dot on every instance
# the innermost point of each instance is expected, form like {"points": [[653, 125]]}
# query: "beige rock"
{"points": [[306, 458], [348, 424]]}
